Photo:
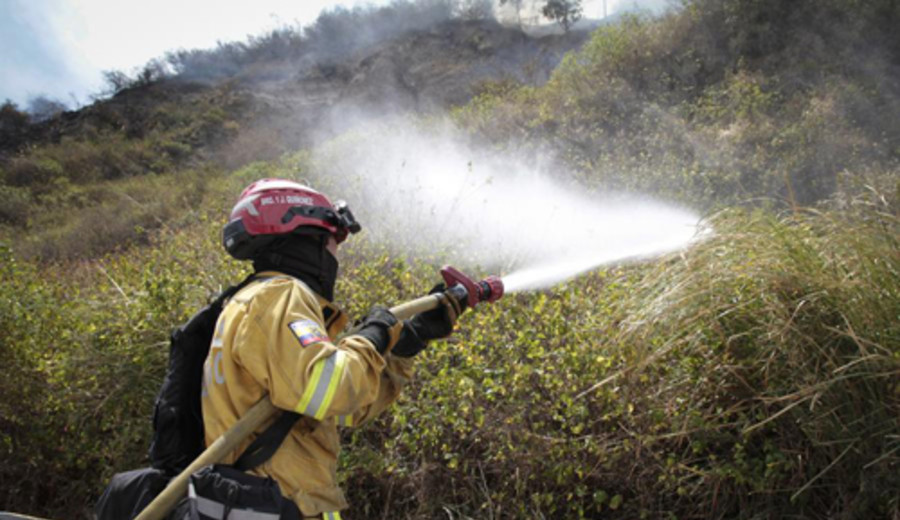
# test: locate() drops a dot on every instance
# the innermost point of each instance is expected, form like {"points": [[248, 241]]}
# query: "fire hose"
{"points": [[458, 285]]}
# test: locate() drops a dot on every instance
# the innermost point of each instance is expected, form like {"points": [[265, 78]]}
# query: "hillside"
{"points": [[754, 375], [721, 103], [211, 116]]}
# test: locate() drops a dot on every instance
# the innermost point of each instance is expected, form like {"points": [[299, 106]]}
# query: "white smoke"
{"points": [[422, 191]]}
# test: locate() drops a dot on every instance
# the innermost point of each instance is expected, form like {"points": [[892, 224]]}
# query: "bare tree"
{"points": [[116, 81], [42, 108], [13, 126], [155, 70], [563, 12]]}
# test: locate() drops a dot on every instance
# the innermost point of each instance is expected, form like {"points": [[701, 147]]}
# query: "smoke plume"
{"points": [[423, 191]]}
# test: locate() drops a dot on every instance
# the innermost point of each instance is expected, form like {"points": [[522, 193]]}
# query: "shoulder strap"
{"points": [[231, 291], [263, 447]]}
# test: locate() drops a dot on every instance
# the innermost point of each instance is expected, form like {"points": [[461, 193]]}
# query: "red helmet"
{"points": [[274, 207]]}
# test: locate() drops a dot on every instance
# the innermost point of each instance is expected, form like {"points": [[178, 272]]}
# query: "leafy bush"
{"points": [[27, 305], [86, 346], [16, 205], [13, 125], [91, 221], [773, 350]]}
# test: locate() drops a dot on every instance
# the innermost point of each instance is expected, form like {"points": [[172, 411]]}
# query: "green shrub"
{"points": [[773, 350], [16, 205], [24, 171], [86, 346], [35, 328], [107, 216]]}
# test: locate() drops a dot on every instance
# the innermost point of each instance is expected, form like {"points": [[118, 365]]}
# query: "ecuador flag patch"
{"points": [[308, 332]]}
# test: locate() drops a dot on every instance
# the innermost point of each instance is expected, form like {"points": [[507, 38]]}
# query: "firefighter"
{"points": [[277, 336]]}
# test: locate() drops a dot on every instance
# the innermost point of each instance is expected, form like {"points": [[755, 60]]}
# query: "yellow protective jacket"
{"points": [[275, 337]]}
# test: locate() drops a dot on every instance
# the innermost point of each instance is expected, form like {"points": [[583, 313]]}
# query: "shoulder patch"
{"points": [[308, 332]]}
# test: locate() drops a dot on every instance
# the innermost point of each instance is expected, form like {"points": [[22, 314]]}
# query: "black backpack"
{"points": [[177, 419], [178, 424], [178, 436]]}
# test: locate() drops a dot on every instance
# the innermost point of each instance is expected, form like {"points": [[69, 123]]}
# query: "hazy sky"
{"points": [[59, 48]]}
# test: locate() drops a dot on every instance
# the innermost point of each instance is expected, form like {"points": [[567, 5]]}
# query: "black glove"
{"points": [[381, 328], [434, 324]]}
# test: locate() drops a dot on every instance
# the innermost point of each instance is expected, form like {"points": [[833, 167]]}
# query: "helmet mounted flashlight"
{"points": [[345, 217]]}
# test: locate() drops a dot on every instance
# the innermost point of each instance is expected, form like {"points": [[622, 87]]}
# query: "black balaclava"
{"points": [[304, 257]]}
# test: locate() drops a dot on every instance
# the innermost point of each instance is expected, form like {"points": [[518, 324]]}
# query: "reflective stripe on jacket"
{"points": [[274, 337]]}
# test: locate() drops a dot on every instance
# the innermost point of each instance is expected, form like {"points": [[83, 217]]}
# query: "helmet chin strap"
{"points": [[305, 258]]}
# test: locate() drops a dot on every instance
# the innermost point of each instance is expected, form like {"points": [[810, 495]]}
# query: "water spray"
{"points": [[516, 214]]}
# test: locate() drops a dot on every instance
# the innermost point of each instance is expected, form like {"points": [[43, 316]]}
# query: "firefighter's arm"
{"points": [[288, 351], [414, 337], [397, 373]]}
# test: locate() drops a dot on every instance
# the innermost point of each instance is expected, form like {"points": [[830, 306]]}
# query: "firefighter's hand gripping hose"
{"points": [[429, 325], [381, 328]]}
